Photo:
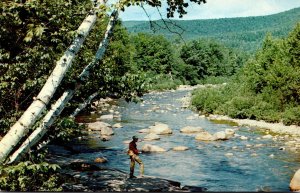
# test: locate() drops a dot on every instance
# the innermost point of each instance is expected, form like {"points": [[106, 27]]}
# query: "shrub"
{"points": [[28, 176], [239, 107], [207, 100], [291, 116], [164, 82]]}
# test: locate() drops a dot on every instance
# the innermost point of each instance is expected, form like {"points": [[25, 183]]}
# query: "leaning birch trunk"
{"points": [[75, 113], [63, 100], [83, 105], [21, 127]]}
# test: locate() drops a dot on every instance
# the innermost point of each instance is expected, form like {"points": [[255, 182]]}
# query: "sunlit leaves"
{"points": [[28, 176]]}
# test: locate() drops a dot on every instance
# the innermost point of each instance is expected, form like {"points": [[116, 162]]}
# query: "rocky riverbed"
{"points": [[182, 146], [85, 175]]}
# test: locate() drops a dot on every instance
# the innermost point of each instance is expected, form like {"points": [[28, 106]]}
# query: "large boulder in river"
{"points": [[107, 131], [151, 137], [152, 148], [98, 126], [191, 129], [221, 135], [295, 182], [204, 136], [160, 129], [229, 133]]}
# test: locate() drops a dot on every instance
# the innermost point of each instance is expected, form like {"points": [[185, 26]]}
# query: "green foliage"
{"points": [[267, 87], [153, 53], [163, 82], [28, 176], [116, 75], [26, 44], [291, 116], [34, 34], [66, 129], [215, 80], [205, 58], [245, 33], [207, 100]]}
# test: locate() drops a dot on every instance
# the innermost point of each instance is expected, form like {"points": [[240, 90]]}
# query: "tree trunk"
{"points": [[83, 105], [67, 95], [21, 127]]}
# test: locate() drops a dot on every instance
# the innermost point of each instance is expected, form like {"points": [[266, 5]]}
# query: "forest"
{"points": [[244, 33], [261, 71]]}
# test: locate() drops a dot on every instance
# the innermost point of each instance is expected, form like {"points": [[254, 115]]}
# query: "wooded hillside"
{"points": [[246, 33]]}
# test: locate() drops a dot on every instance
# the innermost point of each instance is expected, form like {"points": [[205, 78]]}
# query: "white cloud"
{"points": [[219, 9]]}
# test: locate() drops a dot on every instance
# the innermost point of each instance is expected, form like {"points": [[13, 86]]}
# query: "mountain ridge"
{"points": [[245, 33]]}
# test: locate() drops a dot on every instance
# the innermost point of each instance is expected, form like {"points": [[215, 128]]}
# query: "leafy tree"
{"points": [[209, 58], [267, 87], [153, 53], [35, 31]]}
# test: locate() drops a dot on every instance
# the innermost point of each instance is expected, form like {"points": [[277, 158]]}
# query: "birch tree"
{"points": [[58, 107], [21, 127], [33, 112]]}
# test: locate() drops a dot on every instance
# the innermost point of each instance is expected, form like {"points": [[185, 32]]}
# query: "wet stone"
{"points": [[108, 180]]}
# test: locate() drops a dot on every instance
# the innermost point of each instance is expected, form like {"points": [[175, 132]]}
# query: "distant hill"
{"points": [[246, 33]]}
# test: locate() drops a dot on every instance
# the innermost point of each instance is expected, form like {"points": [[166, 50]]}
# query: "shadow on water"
{"points": [[233, 165]]}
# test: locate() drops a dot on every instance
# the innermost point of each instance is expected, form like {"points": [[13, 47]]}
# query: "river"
{"points": [[254, 164]]}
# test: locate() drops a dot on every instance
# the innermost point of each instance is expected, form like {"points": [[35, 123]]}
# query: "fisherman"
{"points": [[133, 153]]}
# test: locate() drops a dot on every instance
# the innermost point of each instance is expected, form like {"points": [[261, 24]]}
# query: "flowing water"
{"points": [[248, 167]]}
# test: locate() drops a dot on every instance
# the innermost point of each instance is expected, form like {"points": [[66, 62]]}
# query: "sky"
{"points": [[217, 9]]}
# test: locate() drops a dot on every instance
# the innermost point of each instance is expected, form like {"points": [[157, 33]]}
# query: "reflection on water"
{"points": [[232, 165]]}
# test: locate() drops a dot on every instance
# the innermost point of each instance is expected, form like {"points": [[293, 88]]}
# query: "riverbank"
{"points": [[278, 128]]}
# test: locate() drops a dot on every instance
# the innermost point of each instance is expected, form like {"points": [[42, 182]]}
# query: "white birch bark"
{"points": [[21, 127], [67, 95], [83, 105]]}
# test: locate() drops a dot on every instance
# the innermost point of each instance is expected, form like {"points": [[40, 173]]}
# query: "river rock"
{"points": [[191, 129], [160, 129], [221, 135], [151, 137], [100, 160], [229, 133], [267, 136], [144, 131], [204, 136], [180, 148], [97, 126], [243, 137], [229, 154], [106, 131], [106, 117], [117, 125], [96, 179], [152, 148], [295, 182]]}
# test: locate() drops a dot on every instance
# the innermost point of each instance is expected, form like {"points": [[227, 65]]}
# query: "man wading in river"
{"points": [[133, 153]]}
